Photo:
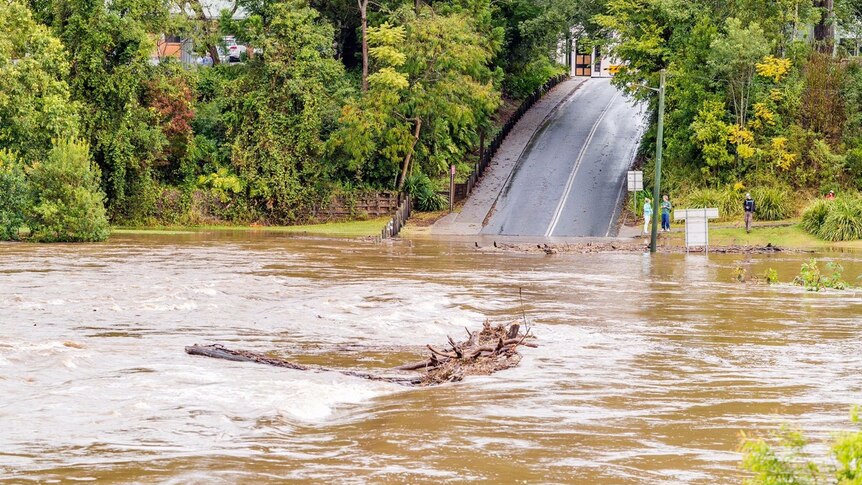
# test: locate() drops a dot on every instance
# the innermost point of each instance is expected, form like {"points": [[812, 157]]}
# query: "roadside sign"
{"points": [[696, 225], [635, 180]]}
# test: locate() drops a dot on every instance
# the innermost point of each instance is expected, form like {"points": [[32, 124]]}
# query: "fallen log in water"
{"points": [[220, 352], [492, 349]]}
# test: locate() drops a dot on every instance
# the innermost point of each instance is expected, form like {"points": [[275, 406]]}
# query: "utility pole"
{"points": [[656, 192]]}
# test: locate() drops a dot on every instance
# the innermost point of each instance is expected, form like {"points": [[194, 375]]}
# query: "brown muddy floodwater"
{"points": [[648, 368]]}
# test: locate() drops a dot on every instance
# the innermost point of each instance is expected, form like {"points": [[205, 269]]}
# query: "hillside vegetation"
{"points": [[336, 97], [330, 98], [760, 98]]}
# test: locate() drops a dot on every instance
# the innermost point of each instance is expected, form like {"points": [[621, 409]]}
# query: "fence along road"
{"points": [[571, 178]]}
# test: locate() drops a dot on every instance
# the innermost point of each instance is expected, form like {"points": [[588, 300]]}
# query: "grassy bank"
{"points": [[366, 228], [786, 234]]}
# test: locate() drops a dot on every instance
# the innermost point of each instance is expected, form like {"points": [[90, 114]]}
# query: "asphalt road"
{"points": [[570, 180]]}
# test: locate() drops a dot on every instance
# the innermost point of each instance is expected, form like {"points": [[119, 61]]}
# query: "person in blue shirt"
{"points": [[647, 214], [665, 214]]}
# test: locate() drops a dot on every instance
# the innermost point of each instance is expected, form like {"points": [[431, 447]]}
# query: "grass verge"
{"points": [[370, 227], [785, 234]]}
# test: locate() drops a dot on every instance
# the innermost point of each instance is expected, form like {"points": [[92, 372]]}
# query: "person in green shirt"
{"points": [[665, 214]]}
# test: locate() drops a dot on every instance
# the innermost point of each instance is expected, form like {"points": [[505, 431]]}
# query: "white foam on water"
{"points": [[251, 392]]}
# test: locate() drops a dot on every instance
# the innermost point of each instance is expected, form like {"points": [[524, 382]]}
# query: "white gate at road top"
{"points": [[696, 225]]}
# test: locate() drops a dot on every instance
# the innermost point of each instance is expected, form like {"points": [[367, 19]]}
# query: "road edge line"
{"points": [[617, 207]]}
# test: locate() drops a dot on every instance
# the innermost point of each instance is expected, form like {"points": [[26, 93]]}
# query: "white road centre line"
{"points": [[557, 213]]}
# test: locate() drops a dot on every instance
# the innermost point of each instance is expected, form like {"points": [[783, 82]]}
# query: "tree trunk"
{"points": [[363, 10], [824, 31], [410, 153], [198, 8], [211, 48]]}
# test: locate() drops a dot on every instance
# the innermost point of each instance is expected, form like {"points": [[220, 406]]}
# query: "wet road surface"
{"points": [[571, 178], [647, 371]]}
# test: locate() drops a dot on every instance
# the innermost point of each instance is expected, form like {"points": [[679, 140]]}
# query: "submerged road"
{"points": [[570, 179]]}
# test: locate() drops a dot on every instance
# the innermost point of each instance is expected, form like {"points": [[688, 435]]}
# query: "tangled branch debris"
{"points": [[638, 245], [492, 349]]}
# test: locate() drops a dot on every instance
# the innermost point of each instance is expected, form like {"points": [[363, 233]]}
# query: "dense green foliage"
{"points": [[14, 196], [281, 110], [751, 103], [431, 93], [834, 220], [35, 105], [46, 182], [68, 204], [273, 138], [751, 99], [425, 197], [774, 202], [783, 459]]}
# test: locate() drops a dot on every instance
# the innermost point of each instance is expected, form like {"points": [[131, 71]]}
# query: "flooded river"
{"points": [[648, 368]]}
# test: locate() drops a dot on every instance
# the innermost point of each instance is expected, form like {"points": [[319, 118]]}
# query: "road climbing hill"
{"points": [[570, 179]]}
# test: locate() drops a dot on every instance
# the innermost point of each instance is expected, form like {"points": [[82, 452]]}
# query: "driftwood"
{"points": [[219, 352], [636, 245], [492, 349]]}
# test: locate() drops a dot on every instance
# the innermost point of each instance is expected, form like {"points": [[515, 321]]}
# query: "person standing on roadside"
{"points": [[647, 214], [749, 208], [665, 214]]}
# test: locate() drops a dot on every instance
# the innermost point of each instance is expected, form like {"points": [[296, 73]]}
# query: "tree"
{"points": [[281, 110], [171, 98], [14, 196], [344, 17], [786, 461], [781, 20], [824, 30], [206, 24], [363, 15], [34, 100], [110, 70], [711, 135], [848, 14], [734, 59], [68, 205], [430, 93]]}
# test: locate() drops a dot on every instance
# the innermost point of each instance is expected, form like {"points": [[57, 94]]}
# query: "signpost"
{"points": [[696, 225], [656, 192], [635, 180]]}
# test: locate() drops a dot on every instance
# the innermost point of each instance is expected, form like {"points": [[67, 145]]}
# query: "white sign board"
{"points": [[636, 180], [684, 214], [696, 225]]}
